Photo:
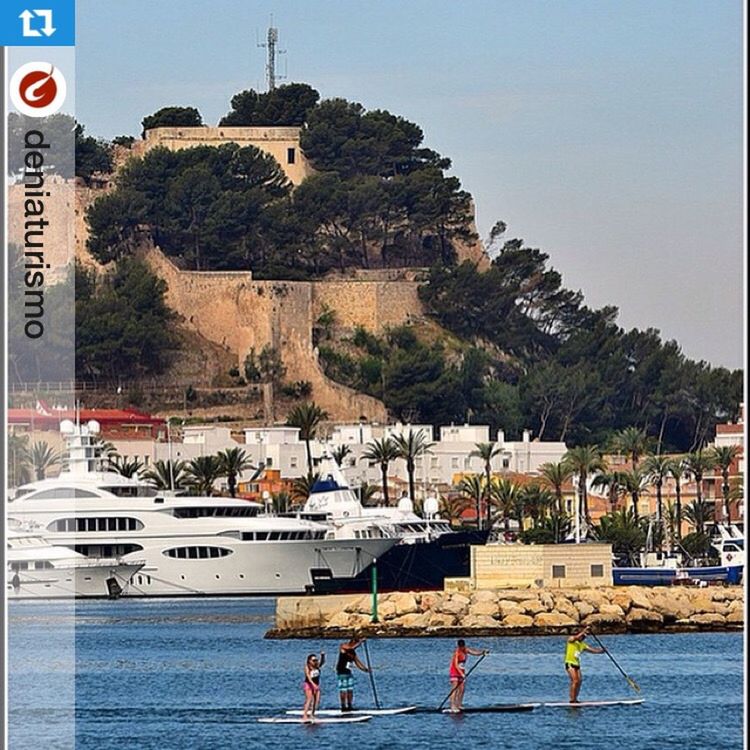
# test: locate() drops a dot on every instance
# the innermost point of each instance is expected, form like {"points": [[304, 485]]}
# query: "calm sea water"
{"points": [[197, 673]]}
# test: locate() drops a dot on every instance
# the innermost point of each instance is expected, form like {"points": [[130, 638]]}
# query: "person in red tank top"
{"points": [[457, 673]]}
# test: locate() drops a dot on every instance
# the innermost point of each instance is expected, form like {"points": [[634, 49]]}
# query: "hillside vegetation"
{"points": [[509, 345]]}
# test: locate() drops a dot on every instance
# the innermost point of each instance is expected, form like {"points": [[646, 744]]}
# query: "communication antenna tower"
{"points": [[272, 40]]}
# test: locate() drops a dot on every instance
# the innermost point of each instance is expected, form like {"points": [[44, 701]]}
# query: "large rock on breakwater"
{"points": [[513, 612]]}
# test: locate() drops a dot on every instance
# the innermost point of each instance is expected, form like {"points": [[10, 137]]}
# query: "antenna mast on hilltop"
{"points": [[270, 44]]}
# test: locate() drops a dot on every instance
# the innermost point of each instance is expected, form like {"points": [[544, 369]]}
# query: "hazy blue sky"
{"points": [[607, 133]]}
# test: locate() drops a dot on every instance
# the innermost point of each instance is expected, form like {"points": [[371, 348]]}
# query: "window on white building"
{"points": [[454, 462]]}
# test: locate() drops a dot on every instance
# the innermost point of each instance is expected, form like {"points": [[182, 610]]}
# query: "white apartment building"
{"points": [[281, 448]]}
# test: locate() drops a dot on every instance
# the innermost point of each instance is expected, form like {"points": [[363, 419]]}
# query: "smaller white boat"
{"points": [[40, 570]]}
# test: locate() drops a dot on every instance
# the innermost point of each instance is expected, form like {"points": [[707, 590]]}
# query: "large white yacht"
{"points": [[429, 550], [40, 570], [190, 545], [333, 501]]}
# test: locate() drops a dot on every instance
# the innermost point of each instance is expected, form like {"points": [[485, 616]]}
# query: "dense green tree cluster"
{"points": [[122, 323], [577, 375], [378, 197], [378, 191], [283, 106], [418, 381], [206, 205], [172, 117]]}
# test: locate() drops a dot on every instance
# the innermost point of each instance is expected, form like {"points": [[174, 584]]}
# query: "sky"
{"points": [[607, 133]]}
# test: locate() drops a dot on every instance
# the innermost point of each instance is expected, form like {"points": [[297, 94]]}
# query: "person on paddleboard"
{"points": [[575, 646], [347, 657], [457, 673], [311, 685]]}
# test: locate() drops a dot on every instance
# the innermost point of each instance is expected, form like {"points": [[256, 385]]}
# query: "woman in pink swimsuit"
{"points": [[311, 685], [457, 673]]}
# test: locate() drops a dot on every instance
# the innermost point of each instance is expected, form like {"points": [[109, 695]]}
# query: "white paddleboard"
{"points": [[322, 720], [593, 704], [356, 711]]}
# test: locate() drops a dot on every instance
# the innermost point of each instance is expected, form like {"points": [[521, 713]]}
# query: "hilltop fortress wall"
{"points": [[240, 313]]}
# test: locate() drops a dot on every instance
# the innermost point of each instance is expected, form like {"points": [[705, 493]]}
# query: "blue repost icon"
{"points": [[37, 23]]}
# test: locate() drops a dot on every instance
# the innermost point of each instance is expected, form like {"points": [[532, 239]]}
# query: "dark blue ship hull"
{"points": [[667, 576], [422, 566]]}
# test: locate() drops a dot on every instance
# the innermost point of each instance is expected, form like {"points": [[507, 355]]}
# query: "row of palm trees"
{"points": [[648, 469], [196, 476]]}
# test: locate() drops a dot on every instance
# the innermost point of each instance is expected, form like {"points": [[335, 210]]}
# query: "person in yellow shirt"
{"points": [[575, 646]]}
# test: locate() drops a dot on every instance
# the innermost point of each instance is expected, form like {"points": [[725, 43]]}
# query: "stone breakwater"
{"points": [[513, 612]]}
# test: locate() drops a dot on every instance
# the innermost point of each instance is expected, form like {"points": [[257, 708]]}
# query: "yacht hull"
{"points": [[422, 566], [667, 576], [71, 582], [253, 569]]}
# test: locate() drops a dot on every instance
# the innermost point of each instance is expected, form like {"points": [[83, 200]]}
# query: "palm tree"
{"points": [[504, 494], [630, 442], [382, 452], [699, 513], [124, 467], [410, 447], [203, 471], [452, 508], [281, 502], [698, 464], [632, 482], [168, 475], [307, 417], [472, 490], [232, 462], [724, 456], [19, 469], [339, 453], [367, 494], [486, 451], [622, 530], [555, 475], [609, 482], [537, 500], [42, 458], [657, 468], [302, 487], [583, 461], [677, 472], [104, 449]]}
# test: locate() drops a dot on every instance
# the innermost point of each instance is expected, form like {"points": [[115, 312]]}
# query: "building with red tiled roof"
{"points": [[127, 423]]}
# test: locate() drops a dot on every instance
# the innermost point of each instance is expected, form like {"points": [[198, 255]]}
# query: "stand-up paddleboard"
{"points": [[315, 721], [357, 711], [498, 709], [595, 704]]}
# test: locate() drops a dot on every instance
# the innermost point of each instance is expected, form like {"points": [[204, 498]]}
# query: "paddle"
{"points": [[474, 666], [372, 677], [630, 680]]}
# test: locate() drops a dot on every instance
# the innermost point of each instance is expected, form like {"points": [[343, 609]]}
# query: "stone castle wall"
{"points": [[280, 142], [240, 313]]}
